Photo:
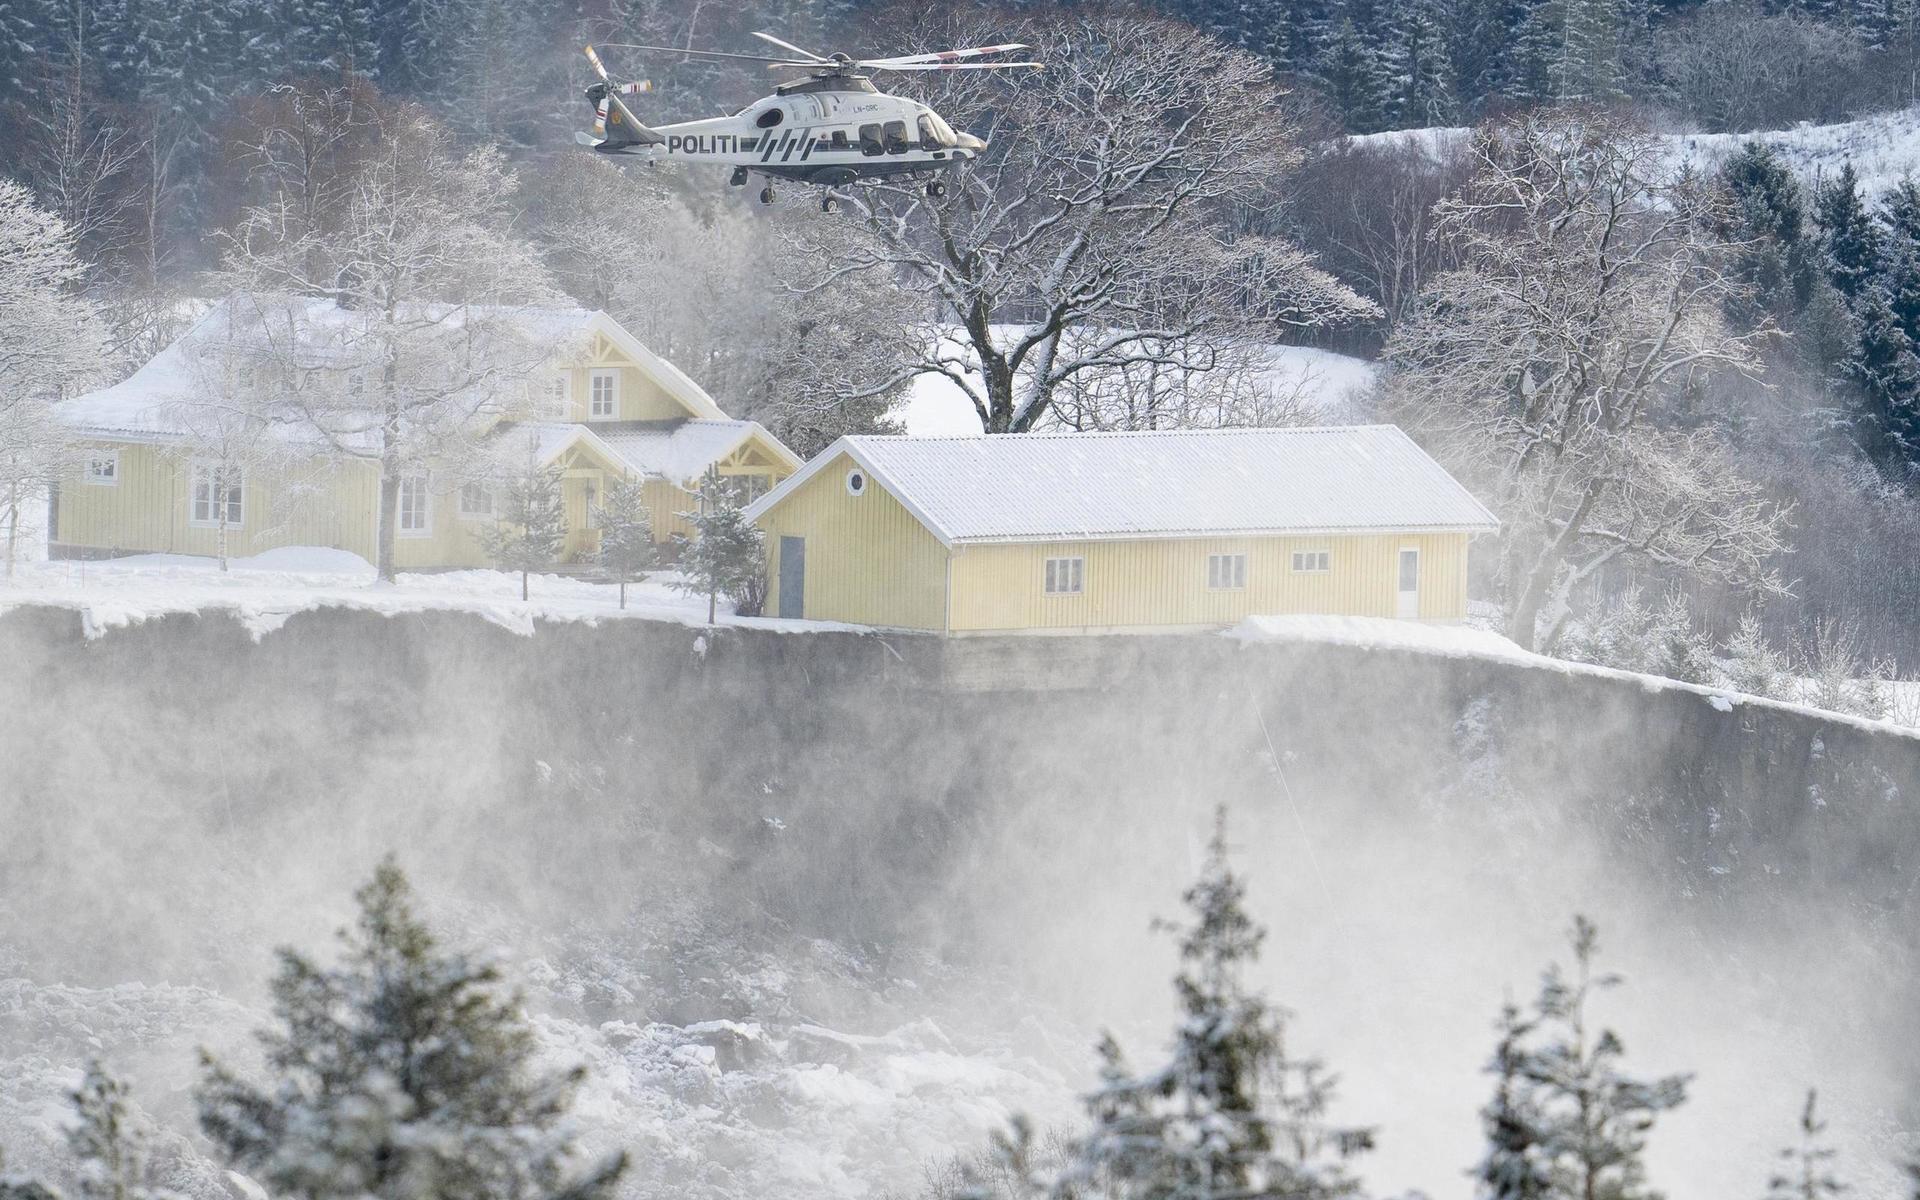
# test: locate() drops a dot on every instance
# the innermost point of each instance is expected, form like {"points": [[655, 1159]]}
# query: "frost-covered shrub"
{"points": [[1629, 634], [1750, 664], [1840, 678]]}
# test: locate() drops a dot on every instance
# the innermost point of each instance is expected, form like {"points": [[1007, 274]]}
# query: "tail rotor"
{"points": [[615, 127]]}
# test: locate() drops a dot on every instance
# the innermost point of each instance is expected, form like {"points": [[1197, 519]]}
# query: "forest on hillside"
{"points": [[1733, 404]]}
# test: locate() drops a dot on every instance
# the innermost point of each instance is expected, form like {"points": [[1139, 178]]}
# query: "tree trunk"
{"points": [[389, 516], [523, 586], [713, 604], [623, 594], [13, 536]]}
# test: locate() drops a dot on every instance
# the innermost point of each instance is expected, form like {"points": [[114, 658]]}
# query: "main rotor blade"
{"points": [[598, 67], [709, 54], [943, 55], [789, 46], [878, 66]]}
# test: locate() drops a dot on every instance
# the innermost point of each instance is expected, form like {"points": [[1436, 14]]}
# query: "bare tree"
{"points": [[1094, 235], [1545, 369], [394, 298], [49, 347]]}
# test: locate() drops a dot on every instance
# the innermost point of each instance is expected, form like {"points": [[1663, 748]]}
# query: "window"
{"points": [[897, 142], [839, 140], [476, 500], [1066, 576], [415, 518], [870, 143], [1226, 572], [103, 468], [770, 118], [856, 482], [1312, 562], [603, 402], [218, 496], [556, 399]]}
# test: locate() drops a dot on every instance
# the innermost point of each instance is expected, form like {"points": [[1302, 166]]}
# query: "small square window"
{"points": [[476, 500], [1066, 576], [103, 468], [218, 497], [1226, 572], [1312, 562]]}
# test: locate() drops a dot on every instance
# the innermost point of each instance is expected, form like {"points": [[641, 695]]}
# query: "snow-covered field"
{"points": [[265, 589], [1322, 381], [1882, 148]]}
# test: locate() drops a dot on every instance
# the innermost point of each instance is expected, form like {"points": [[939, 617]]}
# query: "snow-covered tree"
{"points": [[108, 1140], [1752, 664], [20, 1187], [726, 556], [1847, 232], [405, 1070], [1566, 1121], [1806, 1167], [627, 548], [530, 527], [1545, 369], [404, 282], [50, 344], [1096, 232]]}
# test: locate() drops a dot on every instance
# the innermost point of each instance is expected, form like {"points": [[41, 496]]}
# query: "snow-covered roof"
{"points": [[1188, 483], [682, 450], [148, 403]]}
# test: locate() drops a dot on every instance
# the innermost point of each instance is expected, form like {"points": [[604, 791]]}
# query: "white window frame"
{"points": [[1065, 575], [611, 375], [400, 527], [110, 478], [207, 475], [1227, 572], [1312, 562], [468, 513]]}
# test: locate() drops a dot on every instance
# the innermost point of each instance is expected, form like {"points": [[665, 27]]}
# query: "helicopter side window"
{"points": [[839, 141], [770, 118], [931, 133], [870, 140], [897, 137]]}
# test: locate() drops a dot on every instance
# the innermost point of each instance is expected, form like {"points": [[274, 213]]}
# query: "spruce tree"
{"points": [[1566, 1120], [1848, 237], [1417, 63], [1768, 227], [107, 1140], [627, 547], [1351, 75], [1806, 1170], [404, 1071], [1232, 1114], [531, 528], [726, 556]]}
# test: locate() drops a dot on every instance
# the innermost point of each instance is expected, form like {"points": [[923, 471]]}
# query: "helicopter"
{"points": [[831, 127]]}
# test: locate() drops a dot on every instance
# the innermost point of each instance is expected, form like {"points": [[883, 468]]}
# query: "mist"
{"points": [[827, 839]]}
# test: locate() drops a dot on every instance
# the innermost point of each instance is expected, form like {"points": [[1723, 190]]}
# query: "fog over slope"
{"points": [[815, 923]]}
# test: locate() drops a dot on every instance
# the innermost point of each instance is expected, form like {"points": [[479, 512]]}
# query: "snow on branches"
{"points": [[1549, 369]]}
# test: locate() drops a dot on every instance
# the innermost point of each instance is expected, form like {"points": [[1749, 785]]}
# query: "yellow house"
{"points": [[1108, 532], [609, 408]]}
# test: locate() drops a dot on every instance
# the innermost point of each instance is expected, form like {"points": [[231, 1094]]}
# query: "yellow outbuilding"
{"points": [[1112, 532]]}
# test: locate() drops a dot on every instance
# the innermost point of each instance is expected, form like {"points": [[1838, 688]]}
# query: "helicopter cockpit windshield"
{"points": [[934, 131]]}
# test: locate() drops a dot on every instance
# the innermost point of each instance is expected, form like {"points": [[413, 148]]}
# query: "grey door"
{"points": [[793, 576]]}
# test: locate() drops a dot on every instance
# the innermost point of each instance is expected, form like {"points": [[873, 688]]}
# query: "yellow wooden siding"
{"points": [[869, 561], [148, 510], [1163, 581]]}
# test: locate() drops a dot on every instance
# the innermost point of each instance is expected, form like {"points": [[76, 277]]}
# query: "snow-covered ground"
{"points": [[1882, 148], [265, 589], [1321, 380]]}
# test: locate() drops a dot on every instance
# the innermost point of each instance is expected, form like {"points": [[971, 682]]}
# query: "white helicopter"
{"points": [[831, 127]]}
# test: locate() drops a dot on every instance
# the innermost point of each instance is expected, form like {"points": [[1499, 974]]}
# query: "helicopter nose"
{"points": [[967, 141]]}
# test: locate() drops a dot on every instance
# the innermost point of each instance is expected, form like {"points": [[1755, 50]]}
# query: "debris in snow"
{"points": [[1721, 702]]}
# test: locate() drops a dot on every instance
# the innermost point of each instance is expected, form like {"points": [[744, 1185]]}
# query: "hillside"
{"points": [[797, 967]]}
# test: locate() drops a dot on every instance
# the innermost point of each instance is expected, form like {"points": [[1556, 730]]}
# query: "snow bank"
{"points": [[1465, 642], [263, 591]]}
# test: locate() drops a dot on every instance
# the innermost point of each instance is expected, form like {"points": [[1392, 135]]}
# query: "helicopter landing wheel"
{"points": [[766, 195], [936, 189], [829, 204], [738, 178]]}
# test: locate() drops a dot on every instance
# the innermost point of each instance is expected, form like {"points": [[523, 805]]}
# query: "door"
{"points": [[793, 577], [1409, 607]]}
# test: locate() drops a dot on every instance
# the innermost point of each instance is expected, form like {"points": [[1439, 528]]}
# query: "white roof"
{"points": [[146, 405], [683, 450], [1188, 483]]}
